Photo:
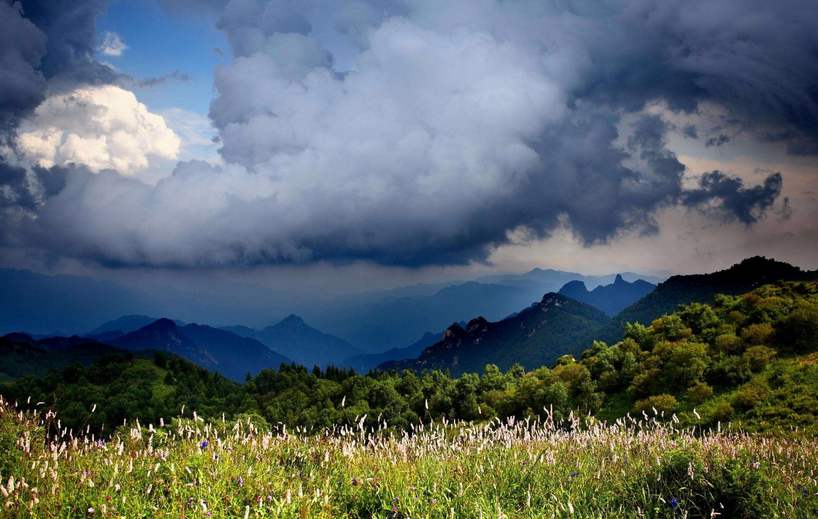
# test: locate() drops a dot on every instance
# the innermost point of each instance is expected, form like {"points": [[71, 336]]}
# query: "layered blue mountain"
{"points": [[367, 361], [214, 349], [533, 337], [301, 342], [374, 321], [123, 325], [612, 298], [377, 322]]}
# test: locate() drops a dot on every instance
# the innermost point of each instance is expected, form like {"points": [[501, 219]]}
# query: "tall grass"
{"points": [[196, 468]]}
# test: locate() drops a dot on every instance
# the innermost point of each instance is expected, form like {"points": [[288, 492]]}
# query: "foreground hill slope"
{"points": [[533, 337], [21, 355], [702, 288]]}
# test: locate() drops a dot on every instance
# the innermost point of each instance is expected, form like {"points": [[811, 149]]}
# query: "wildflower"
{"points": [[673, 502], [574, 474], [203, 445], [240, 481], [90, 509]]}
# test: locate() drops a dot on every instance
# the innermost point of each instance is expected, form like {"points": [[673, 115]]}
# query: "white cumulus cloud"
{"points": [[101, 127]]}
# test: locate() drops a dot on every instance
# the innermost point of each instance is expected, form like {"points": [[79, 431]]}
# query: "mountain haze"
{"points": [[367, 361], [300, 342]]}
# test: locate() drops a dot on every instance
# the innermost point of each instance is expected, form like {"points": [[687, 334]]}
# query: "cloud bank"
{"points": [[417, 133]]}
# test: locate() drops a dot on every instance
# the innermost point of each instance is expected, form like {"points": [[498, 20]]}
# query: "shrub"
{"points": [[759, 333], [799, 331], [662, 403], [671, 328], [749, 395], [681, 363], [721, 411], [728, 342], [757, 357], [699, 392]]}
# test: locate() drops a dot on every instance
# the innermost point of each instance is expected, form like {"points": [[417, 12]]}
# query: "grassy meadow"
{"points": [[530, 468]]}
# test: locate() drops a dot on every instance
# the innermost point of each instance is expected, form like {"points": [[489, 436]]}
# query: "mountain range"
{"points": [[532, 338], [612, 298], [300, 342], [211, 348], [560, 323], [372, 321], [367, 361], [535, 336], [395, 318]]}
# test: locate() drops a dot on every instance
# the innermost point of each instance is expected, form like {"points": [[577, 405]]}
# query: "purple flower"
{"points": [[673, 502], [203, 445]]}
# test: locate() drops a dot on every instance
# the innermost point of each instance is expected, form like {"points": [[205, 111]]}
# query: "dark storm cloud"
{"points": [[757, 58], [45, 45], [691, 131], [453, 124], [717, 140], [70, 27], [14, 189], [747, 204], [22, 85], [176, 75]]}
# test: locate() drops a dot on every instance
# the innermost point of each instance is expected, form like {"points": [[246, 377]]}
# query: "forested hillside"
{"points": [[533, 337], [702, 288]]}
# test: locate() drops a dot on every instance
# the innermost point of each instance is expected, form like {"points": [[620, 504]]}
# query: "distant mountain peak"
{"points": [[454, 330], [163, 323], [293, 320], [612, 298], [532, 337], [476, 324]]}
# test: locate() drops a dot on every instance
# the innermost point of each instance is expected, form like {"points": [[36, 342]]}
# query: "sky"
{"points": [[328, 146]]}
